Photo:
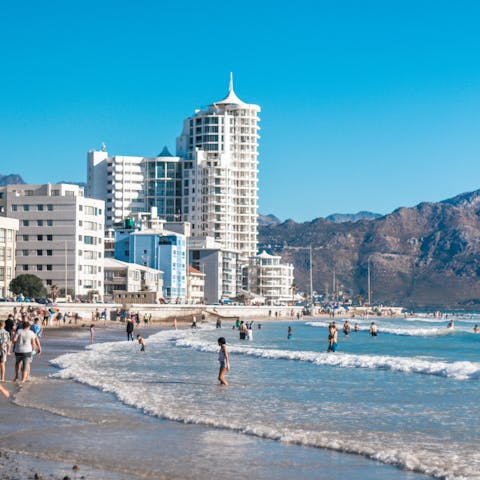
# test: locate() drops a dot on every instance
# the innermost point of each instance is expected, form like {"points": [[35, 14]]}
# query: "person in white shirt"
{"points": [[26, 342]]}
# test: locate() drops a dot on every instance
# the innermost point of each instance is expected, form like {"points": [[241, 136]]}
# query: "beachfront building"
{"points": [[219, 151], [195, 285], [8, 233], [220, 266], [269, 278], [60, 236], [130, 184], [132, 283], [158, 249]]}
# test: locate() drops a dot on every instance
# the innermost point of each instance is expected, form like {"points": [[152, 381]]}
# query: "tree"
{"points": [[28, 285]]}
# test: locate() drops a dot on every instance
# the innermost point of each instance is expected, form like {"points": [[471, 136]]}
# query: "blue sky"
{"points": [[366, 105]]}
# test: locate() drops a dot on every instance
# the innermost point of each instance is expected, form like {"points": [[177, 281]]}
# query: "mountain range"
{"points": [[427, 256], [11, 179]]}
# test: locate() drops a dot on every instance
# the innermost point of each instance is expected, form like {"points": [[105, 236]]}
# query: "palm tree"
{"points": [[294, 289]]}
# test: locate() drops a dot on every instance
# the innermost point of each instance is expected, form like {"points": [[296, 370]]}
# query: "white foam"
{"points": [[456, 370], [408, 330]]}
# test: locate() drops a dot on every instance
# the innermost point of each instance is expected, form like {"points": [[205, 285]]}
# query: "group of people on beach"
{"points": [[20, 335]]}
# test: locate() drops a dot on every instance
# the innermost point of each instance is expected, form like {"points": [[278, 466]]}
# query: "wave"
{"points": [[437, 460], [407, 330], [456, 370]]}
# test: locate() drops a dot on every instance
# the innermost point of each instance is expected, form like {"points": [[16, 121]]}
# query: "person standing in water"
{"points": [[92, 332], [373, 329], [141, 341], [289, 333], [346, 328], [332, 337], [475, 329], [223, 360]]}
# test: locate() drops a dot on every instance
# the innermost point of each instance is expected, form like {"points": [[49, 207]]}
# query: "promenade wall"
{"points": [[167, 311]]}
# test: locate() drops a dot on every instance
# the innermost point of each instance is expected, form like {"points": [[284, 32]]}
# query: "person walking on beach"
{"points": [[92, 332], [373, 329], [141, 341], [223, 360], [130, 330], [4, 349], [36, 328], [26, 342]]}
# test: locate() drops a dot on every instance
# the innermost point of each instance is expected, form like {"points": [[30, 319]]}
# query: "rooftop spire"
{"points": [[231, 97]]}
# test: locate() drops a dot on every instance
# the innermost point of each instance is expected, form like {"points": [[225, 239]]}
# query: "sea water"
{"points": [[407, 398]]}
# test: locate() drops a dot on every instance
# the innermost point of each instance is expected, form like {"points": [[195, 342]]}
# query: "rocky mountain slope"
{"points": [[352, 217], [11, 179], [420, 257]]}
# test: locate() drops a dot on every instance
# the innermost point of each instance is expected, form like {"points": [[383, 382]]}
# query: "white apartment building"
{"points": [[130, 185], [270, 279], [195, 285], [220, 266], [8, 231], [219, 151], [131, 278], [60, 236]]}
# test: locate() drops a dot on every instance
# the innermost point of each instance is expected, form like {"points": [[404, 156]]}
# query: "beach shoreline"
{"points": [[54, 424]]}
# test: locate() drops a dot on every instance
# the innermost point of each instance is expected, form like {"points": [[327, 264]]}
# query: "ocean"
{"points": [[404, 403]]}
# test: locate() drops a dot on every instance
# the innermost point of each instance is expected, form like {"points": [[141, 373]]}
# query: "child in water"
{"points": [[223, 360], [141, 341]]}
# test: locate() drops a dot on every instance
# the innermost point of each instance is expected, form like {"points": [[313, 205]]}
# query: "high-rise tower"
{"points": [[219, 151]]}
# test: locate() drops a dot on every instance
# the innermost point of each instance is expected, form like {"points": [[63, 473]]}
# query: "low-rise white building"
{"points": [[195, 285], [268, 277], [60, 236], [131, 278], [8, 231]]}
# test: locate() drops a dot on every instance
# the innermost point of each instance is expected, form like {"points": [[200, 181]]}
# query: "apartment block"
{"points": [[60, 236], [8, 233]]}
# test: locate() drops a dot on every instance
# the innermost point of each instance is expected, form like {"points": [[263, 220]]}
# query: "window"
{"points": [[40, 208], [40, 223], [26, 208], [88, 239], [24, 267], [50, 207], [49, 237], [39, 267], [40, 238], [49, 267], [49, 223], [25, 253], [39, 252], [49, 253], [48, 282], [25, 238], [25, 223], [14, 208]]}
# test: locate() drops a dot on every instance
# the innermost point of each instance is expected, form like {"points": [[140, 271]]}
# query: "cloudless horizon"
{"points": [[365, 105]]}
